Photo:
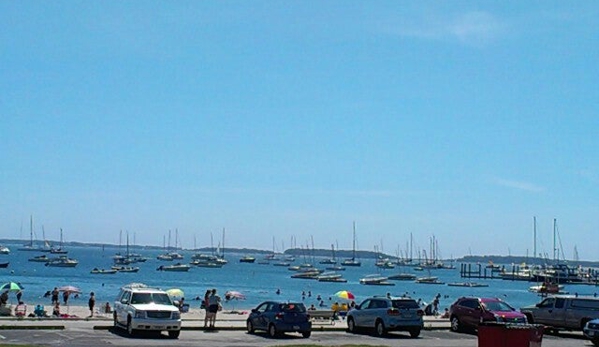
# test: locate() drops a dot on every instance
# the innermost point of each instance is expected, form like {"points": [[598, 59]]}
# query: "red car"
{"points": [[469, 312]]}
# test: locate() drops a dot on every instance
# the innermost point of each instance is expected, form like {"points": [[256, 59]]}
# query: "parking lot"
{"points": [[83, 334]]}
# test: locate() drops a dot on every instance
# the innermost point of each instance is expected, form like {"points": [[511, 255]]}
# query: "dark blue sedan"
{"points": [[280, 317]]}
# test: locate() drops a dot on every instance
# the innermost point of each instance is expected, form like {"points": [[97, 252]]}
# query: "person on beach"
{"points": [[213, 305], [19, 295], [65, 298], [54, 296], [56, 310], [4, 298], [91, 303], [205, 304]]}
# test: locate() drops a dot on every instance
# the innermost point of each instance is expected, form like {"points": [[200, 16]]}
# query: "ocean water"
{"points": [[258, 282]]}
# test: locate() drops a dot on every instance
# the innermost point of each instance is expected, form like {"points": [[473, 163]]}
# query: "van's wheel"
{"points": [[351, 326], [250, 326], [272, 331], [455, 325], [306, 334], [174, 334], [130, 329], [529, 318], [414, 333], [595, 341], [379, 328]]}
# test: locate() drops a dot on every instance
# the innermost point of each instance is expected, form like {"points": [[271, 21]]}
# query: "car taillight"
{"points": [[420, 313], [279, 315], [393, 312]]}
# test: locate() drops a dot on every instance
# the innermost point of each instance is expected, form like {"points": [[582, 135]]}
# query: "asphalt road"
{"points": [[85, 337]]}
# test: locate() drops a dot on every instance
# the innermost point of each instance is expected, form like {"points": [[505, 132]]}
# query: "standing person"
{"points": [[19, 295], [205, 305], [65, 297], [91, 303], [213, 305], [54, 296]]}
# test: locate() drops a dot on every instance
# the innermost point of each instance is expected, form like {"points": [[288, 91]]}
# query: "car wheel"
{"points": [[379, 328], [130, 329], [306, 334], [174, 334], [595, 341], [529, 319], [351, 326], [414, 333], [272, 331], [455, 326], [250, 326]]}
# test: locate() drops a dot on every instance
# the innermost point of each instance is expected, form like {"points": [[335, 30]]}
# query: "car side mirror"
{"points": [[175, 302], [254, 310], [538, 305], [357, 307]]}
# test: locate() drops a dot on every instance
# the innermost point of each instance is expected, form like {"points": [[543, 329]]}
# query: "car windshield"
{"points": [[497, 306], [403, 304], [299, 308], [149, 298]]}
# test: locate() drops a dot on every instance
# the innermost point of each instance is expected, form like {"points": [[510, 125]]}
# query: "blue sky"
{"points": [[459, 119]]}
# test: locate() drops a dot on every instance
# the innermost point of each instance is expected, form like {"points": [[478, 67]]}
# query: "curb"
{"points": [[32, 327], [240, 328]]}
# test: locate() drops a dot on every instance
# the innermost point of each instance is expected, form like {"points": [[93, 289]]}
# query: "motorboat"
{"points": [[402, 277], [40, 259], [97, 271], [4, 250], [247, 259], [206, 263], [335, 268], [4, 265], [467, 284], [331, 277], [376, 280], [62, 261], [125, 268], [308, 274], [429, 280], [175, 267], [547, 288]]}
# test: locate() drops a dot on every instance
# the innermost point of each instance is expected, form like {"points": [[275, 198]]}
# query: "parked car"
{"points": [[139, 307], [280, 317], [591, 331], [569, 312], [384, 314], [469, 312]]}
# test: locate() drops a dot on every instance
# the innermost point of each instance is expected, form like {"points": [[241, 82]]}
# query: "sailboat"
{"points": [[30, 247], [352, 261], [332, 260], [59, 249]]}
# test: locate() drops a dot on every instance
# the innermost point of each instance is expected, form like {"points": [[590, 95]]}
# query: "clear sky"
{"points": [[459, 119]]}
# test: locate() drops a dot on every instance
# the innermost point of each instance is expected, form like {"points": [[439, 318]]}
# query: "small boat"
{"points": [[335, 268], [376, 280], [4, 250], [331, 277], [548, 288], [62, 261], [125, 268], [97, 271], [40, 259], [282, 263], [429, 280], [176, 267], [402, 277], [307, 275], [467, 284], [4, 265], [247, 259], [206, 263]]}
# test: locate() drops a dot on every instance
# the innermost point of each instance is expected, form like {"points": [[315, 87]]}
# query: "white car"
{"points": [[141, 308]]}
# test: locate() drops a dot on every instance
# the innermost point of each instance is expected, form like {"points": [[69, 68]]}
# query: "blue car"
{"points": [[591, 331], [277, 318]]}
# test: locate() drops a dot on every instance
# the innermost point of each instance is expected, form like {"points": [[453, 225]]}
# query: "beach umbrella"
{"points": [[233, 294], [69, 289], [175, 292], [344, 294], [11, 286]]}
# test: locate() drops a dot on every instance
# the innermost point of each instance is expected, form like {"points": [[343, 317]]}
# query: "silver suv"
{"points": [[139, 307], [386, 314]]}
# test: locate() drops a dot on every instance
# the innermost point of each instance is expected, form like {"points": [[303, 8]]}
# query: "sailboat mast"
{"points": [[31, 231], [354, 243], [534, 237]]}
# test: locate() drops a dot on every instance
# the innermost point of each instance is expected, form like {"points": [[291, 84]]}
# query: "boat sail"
{"points": [[352, 261]]}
